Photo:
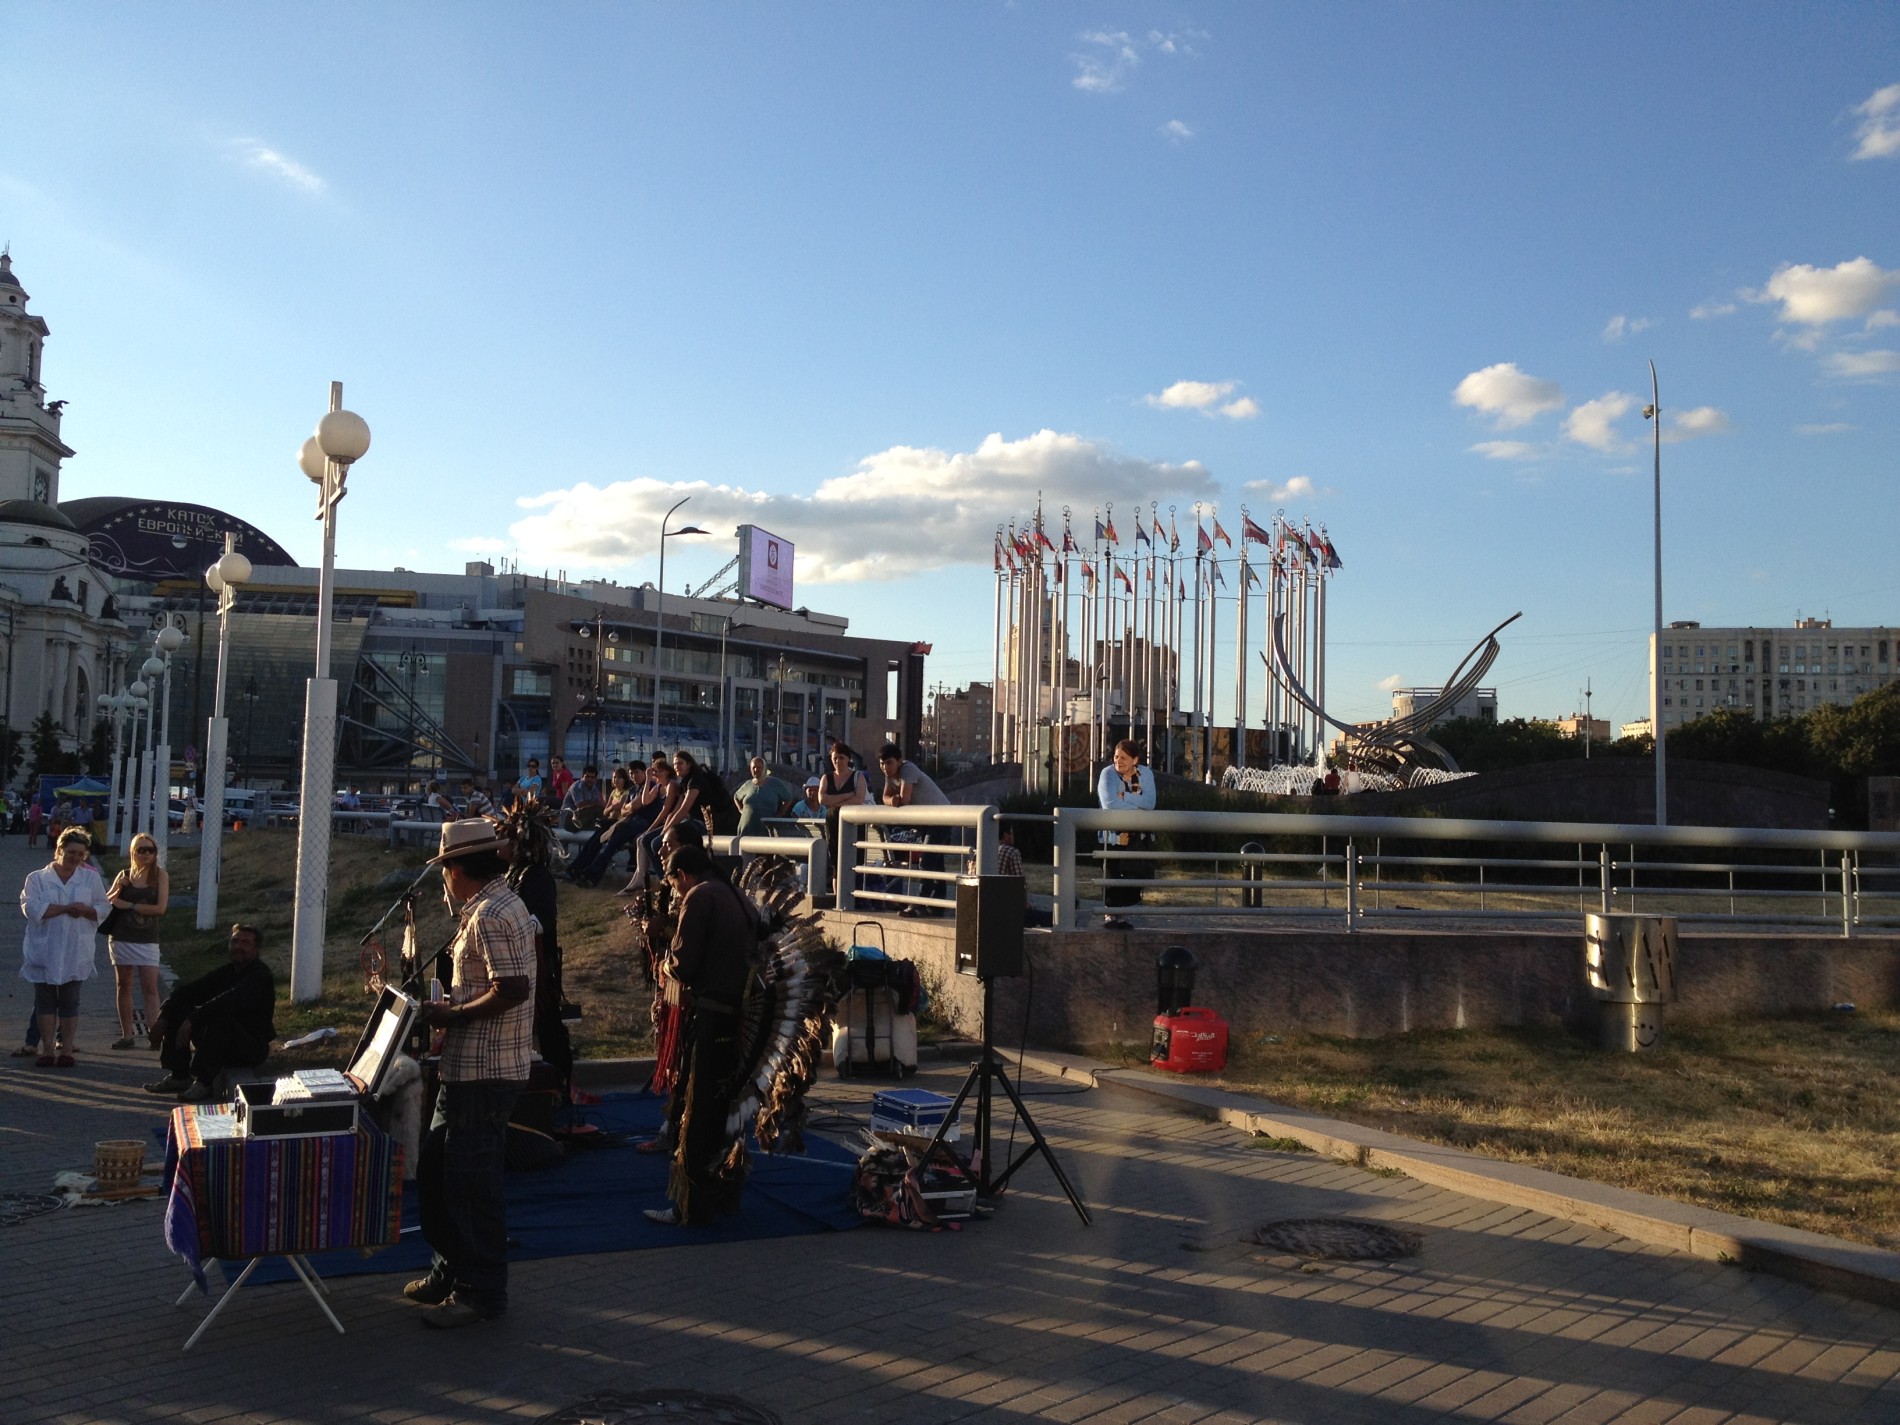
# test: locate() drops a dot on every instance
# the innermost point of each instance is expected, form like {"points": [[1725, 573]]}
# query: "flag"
{"points": [[1174, 537], [1253, 579], [1109, 533], [1181, 591], [1088, 571], [1122, 574], [1221, 534], [1141, 532], [1160, 533], [1100, 533], [999, 554], [1201, 541], [1068, 540], [1328, 553], [1044, 540], [1218, 577], [1250, 530]]}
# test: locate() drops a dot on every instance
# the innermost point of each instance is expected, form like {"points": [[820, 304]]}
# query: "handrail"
{"points": [[979, 821], [1837, 867]]}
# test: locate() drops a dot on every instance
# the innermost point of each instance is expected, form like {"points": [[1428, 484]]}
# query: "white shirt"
{"points": [[56, 951]]}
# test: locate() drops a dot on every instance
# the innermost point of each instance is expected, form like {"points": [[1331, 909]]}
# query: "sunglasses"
{"points": [[145, 851]]}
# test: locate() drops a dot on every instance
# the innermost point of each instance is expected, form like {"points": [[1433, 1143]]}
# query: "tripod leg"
{"points": [[1038, 1143], [970, 1081]]}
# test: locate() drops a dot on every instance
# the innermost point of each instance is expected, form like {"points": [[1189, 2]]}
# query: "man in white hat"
{"points": [[488, 1017]]}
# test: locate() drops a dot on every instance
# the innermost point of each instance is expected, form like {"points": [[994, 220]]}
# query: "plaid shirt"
{"points": [[496, 942], [1009, 861]]}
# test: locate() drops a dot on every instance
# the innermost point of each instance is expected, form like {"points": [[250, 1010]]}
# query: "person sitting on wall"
{"points": [[219, 1021], [580, 807]]}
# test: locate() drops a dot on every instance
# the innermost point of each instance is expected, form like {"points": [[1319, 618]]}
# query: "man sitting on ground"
{"points": [[218, 1021], [580, 808]]}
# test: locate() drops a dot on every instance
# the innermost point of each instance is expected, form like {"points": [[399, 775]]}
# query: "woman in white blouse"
{"points": [[63, 904]]}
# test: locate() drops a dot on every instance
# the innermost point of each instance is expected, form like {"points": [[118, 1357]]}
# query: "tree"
{"points": [[1859, 740], [47, 756], [1482, 746], [12, 753]]}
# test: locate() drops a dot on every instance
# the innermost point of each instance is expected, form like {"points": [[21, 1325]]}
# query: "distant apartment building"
{"points": [[1578, 725], [1770, 672], [960, 725], [1480, 703]]}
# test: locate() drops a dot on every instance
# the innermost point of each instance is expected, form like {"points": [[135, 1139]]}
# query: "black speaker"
{"points": [[990, 926]]}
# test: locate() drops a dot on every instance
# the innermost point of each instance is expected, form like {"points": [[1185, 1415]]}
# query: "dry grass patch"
{"points": [[1788, 1120]]}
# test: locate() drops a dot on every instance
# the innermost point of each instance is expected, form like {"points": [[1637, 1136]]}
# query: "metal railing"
{"points": [[1845, 880], [906, 882]]}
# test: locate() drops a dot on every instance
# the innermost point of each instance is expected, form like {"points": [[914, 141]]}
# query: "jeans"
{"points": [[459, 1189]]}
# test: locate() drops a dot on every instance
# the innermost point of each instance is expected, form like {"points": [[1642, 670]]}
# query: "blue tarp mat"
{"points": [[593, 1201]]}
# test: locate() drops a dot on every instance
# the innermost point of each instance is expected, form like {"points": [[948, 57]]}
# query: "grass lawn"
{"points": [[1790, 1120]]}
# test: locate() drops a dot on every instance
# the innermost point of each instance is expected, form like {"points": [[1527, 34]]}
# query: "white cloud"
{"points": [[1505, 450], [253, 154], [1827, 428], [1508, 395], [1594, 422], [1879, 130], [1175, 42], [1704, 311], [1695, 423], [1105, 67], [1206, 397], [1885, 317], [903, 511], [1300, 487], [1863, 365], [1815, 296], [1620, 326], [1392, 682], [1176, 131]]}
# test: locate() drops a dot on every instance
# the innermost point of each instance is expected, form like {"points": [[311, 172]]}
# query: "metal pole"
{"points": [[1654, 414], [217, 738], [659, 615]]}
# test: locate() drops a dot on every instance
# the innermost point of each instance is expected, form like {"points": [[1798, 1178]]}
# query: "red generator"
{"points": [[1190, 1041]]}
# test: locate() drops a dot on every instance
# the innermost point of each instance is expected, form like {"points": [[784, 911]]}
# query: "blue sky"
{"points": [[875, 275]]}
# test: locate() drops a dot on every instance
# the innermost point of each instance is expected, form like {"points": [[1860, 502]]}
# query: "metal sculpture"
{"points": [[1399, 739]]}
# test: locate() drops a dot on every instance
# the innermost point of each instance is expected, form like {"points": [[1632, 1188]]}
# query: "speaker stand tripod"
{"points": [[985, 1072]]}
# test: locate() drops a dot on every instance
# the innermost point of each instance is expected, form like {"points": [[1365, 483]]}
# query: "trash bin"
{"points": [[1630, 962], [1175, 968]]}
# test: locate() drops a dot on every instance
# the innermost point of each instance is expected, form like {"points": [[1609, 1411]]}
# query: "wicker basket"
{"points": [[117, 1164]]}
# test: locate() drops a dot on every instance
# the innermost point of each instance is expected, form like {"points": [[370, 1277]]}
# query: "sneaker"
{"points": [[121, 1043], [665, 1216], [455, 1312], [429, 1291], [171, 1084]]}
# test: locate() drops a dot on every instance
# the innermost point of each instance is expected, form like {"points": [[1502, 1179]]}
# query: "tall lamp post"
{"points": [[603, 638], [659, 606], [341, 440], [223, 578], [1653, 414], [135, 760], [170, 638], [115, 706]]}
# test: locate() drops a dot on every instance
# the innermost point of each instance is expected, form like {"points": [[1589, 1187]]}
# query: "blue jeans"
{"points": [[459, 1188]]}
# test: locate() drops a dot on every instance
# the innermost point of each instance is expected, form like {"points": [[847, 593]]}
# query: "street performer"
{"points": [[488, 1019], [711, 962]]}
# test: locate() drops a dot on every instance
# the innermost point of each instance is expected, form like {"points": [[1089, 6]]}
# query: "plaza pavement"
{"points": [[1161, 1311]]}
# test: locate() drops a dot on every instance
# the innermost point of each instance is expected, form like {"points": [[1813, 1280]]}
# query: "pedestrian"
{"points": [[140, 896], [1123, 787], [762, 800], [842, 786], [488, 1018], [710, 960], [35, 820], [906, 784], [63, 904]]}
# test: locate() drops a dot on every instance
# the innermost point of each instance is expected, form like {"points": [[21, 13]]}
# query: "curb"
{"points": [[1810, 1258]]}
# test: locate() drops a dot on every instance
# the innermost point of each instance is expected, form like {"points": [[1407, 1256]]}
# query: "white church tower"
{"points": [[63, 642]]}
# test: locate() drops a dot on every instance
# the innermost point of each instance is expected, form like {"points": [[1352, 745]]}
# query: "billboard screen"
{"points": [[765, 567]]}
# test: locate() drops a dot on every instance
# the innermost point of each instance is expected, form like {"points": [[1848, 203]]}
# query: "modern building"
{"points": [[1770, 672], [1480, 703], [455, 675]]}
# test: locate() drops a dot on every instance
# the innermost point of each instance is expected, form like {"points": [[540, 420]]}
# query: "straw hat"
{"points": [[466, 837]]}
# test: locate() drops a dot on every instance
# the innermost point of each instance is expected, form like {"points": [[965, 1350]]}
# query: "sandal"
{"points": [[66, 1061], [45, 1061], [27, 1051]]}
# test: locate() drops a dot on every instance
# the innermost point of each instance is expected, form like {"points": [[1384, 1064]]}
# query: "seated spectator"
{"points": [[809, 807], [438, 798], [475, 801], [580, 808], [221, 1020], [560, 780], [624, 817]]}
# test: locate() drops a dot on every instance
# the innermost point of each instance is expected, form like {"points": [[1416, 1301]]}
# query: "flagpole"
{"points": [[1240, 651], [996, 659]]}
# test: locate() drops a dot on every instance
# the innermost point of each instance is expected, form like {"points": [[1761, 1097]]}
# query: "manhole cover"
{"points": [[17, 1207], [615, 1407], [1339, 1238]]}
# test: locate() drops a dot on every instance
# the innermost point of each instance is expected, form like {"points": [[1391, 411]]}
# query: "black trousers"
{"points": [[216, 1045], [701, 1191]]}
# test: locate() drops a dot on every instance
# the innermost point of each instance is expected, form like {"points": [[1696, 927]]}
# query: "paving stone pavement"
{"points": [[1160, 1312]]}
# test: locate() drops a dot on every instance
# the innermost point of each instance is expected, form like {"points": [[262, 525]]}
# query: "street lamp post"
{"points": [[1653, 414], [153, 673], [138, 760], [223, 578], [115, 706], [341, 440], [602, 638], [168, 641], [659, 606]]}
